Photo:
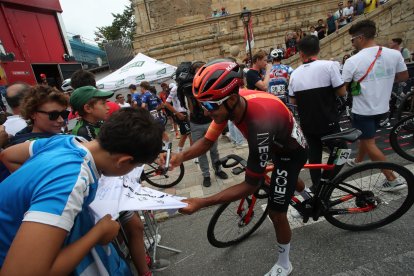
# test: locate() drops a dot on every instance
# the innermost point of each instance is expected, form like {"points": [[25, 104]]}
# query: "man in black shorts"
{"points": [[272, 134]]}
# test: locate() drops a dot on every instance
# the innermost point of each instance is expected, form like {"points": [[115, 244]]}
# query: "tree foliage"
{"points": [[123, 26]]}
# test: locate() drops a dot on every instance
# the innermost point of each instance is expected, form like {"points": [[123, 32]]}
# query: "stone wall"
{"points": [[213, 37], [394, 19]]}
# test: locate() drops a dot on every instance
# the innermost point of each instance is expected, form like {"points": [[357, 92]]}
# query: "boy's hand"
{"points": [[194, 204], [108, 229]]}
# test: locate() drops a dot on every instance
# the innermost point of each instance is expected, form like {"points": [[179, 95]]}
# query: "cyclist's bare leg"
{"points": [[281, 225], [283, 237], [300, 185], [134, 231], [375, 154]]}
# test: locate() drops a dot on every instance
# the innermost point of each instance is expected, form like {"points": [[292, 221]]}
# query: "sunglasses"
{"points": [[353, 38], [54, 115], [213, 105]]}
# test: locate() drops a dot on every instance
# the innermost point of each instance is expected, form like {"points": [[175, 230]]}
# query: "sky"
{"points": [[84, 16]]}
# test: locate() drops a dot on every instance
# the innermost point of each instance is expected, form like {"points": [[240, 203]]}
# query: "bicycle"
{"points": [[160, 176], [402, 138], [351, 200], [406, 106]]}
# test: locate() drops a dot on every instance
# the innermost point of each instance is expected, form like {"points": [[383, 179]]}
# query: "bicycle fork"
{"points": [[246, 217]]}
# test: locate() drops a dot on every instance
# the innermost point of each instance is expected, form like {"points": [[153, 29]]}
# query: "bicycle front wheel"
{"points": [[402, 138], [232, 222], [359, 201], [156, 176]]}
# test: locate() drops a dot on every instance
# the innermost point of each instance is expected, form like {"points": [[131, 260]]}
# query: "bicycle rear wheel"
{"points": [[357, 202], [156, 176], [402, 138], [230, 223], [406, 106]]}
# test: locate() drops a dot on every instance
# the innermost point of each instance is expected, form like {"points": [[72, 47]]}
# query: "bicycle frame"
{"points": [[314, 207]]}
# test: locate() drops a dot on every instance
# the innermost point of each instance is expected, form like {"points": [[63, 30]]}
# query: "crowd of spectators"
{"points": [[222, 12], [335, 20]]}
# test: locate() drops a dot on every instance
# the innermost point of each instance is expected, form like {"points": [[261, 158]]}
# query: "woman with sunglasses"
{"points": [[45, 108]]}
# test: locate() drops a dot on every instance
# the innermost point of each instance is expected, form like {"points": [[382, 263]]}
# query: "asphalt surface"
{"points": [[316, 249]]}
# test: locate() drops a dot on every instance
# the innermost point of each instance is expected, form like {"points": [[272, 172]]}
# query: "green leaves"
{"points": [[123, 26]]}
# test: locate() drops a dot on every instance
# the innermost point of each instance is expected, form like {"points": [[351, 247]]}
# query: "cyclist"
{"points": [[271, 132], [279, 75]]}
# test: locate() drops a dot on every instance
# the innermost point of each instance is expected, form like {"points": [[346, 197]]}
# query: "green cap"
{"points": [[84, 94]]}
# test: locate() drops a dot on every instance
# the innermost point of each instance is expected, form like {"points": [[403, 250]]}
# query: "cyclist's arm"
{"points": [[44, 255], [14, 156], [230, 194]]}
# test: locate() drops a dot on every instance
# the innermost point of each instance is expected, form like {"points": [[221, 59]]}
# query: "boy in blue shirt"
{"points": [[49, 229]]}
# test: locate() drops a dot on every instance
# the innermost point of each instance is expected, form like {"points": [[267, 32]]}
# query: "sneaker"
{"points": [[222, 175], [351, 162], [159, 265], [195, 160], [295, 214], [241, 146], [277, 270], [172, 130], [393, 186], [207, 181]]}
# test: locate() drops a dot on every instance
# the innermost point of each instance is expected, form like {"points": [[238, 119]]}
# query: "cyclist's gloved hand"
{"points": [[107, 229], [194, 204]]}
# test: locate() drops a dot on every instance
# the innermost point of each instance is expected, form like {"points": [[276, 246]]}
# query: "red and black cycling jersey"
{"points": [[269, 127]]}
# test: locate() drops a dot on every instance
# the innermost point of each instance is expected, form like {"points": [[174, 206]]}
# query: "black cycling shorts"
{"points": [[184, 125], [284, 178]]}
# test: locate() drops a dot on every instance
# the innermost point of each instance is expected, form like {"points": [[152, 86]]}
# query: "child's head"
{"points": [[145, 86], [91, 102], [133, 137]]}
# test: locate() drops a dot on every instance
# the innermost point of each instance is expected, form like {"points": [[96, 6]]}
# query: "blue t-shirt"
{"points": [[136, 97], [56, 193], [150, 100], [279, 79]]}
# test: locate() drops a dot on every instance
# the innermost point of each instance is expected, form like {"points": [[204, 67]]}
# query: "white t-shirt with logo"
{"points": [[173, 98], [376, 87]]}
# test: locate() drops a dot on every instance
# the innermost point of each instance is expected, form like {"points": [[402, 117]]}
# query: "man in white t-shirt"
{"points": [[120, 100], [14, 97], [180, 114], [372, 104], [349, 11], [339, 15]]}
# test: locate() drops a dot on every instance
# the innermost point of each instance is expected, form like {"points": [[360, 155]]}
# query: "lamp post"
{"points": [[245, 18]]}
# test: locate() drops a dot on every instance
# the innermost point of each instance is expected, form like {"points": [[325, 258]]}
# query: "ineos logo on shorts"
{"points": [[280, 186], [263, 148]]}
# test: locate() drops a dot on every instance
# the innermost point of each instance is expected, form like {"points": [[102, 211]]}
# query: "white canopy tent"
{"points": [[140, 68]]}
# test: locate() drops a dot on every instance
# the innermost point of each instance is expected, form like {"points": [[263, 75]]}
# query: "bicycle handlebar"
{"points": [[237, 160]]}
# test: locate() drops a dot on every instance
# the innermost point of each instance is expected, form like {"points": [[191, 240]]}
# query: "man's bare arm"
{"points": [[13, 157]]}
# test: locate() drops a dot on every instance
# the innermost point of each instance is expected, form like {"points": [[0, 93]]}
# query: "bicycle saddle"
{"points": [[349, 135]]}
